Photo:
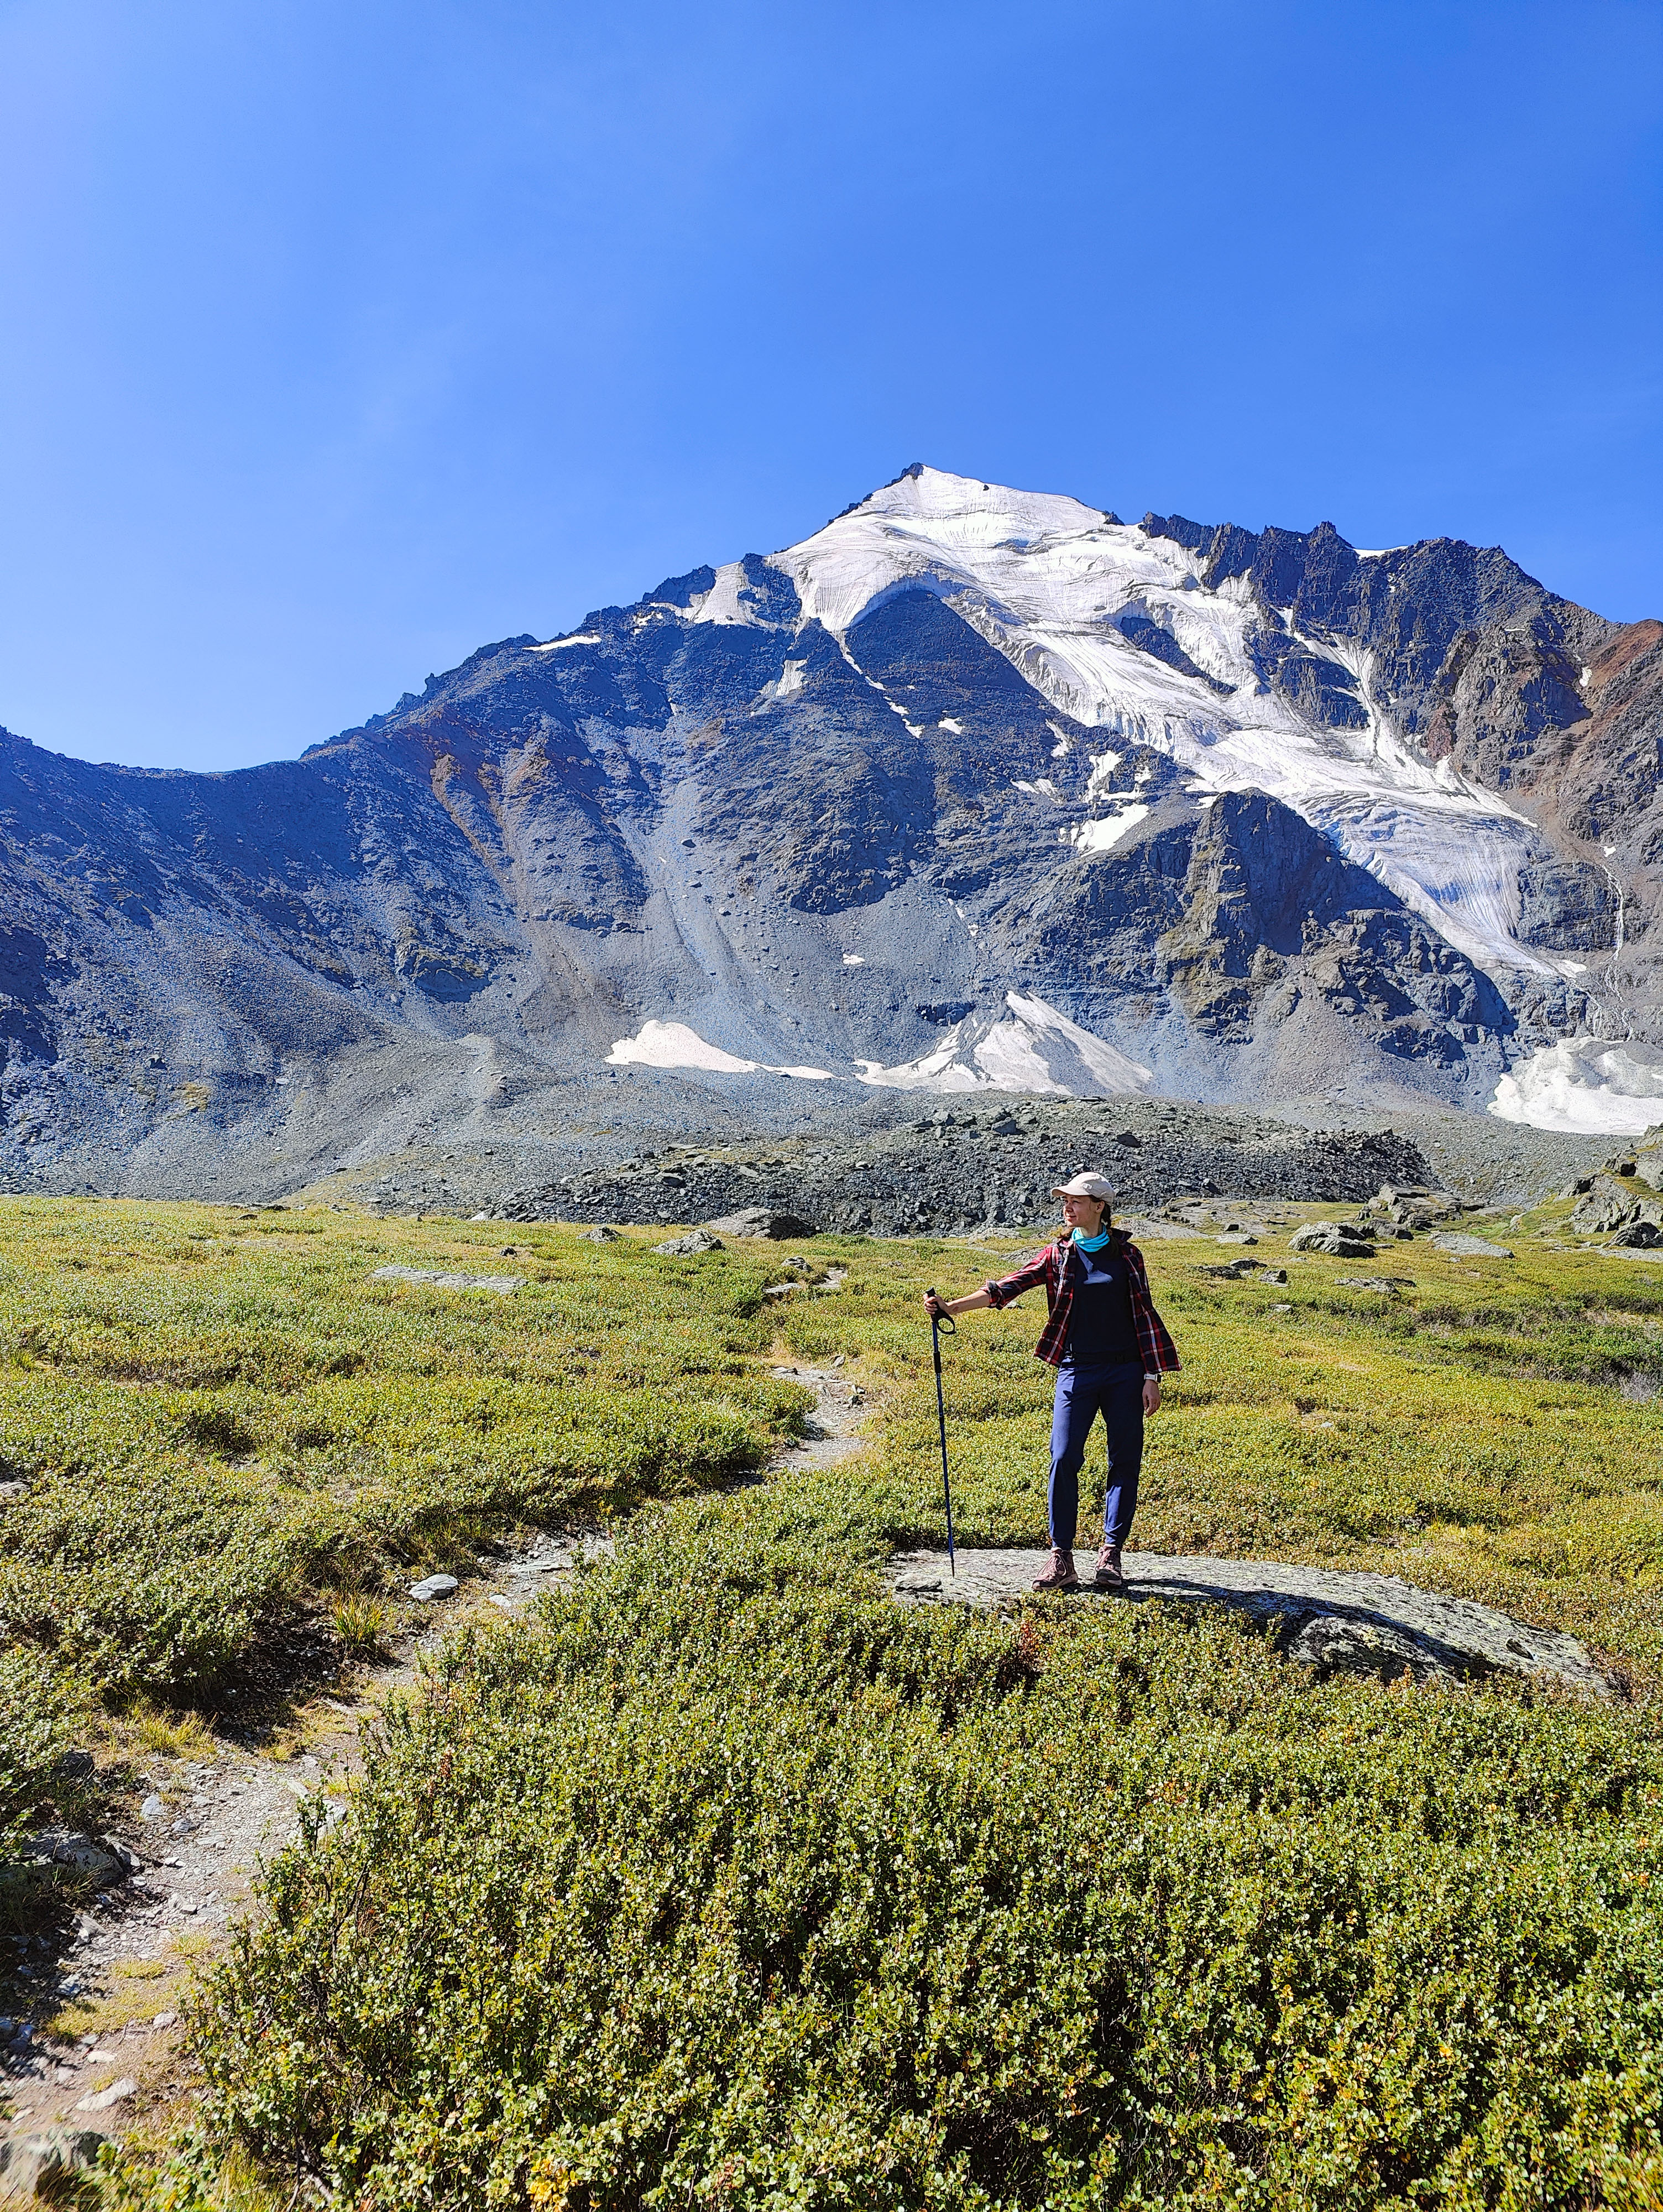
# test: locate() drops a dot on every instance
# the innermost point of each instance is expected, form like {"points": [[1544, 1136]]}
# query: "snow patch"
{"points": [[1586, 1086], [948, 723], [559, 644], [672, 1044], [855, 959], [722, 604], [1106, 831], [1033, 1048]]}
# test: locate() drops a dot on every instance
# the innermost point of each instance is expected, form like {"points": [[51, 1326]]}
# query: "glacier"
{"points": [[1585, 1084], [1048, 581]]}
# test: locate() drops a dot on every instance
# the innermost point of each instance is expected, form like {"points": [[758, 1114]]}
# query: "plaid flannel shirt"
{"points": [[1057, 1269]]}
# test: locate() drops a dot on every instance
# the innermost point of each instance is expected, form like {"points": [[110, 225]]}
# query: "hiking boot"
{"points": [[1109, 1575], [1059, 1575]]}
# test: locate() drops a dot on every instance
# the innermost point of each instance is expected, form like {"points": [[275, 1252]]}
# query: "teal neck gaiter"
{"points": [[1091, 1243]]}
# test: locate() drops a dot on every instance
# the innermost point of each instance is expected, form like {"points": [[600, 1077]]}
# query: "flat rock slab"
{"points": [[1461, 1246], [504, 1285], [1338, 1623]]}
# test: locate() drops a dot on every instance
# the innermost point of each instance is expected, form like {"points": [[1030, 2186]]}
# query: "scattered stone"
{"points": [[152, 1808], [1387, 1286], [760, 1221], [76, 1765], [104, 2101], [600, 1234], [504, 1285], [1274, 1275], [435, 1586], [33, 2165], [1461, 1246], [1235, 1237], [696, 1240], [165, 2020]]}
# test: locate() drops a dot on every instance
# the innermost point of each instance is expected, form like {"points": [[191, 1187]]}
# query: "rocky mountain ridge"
{"points": [[975, 789]]}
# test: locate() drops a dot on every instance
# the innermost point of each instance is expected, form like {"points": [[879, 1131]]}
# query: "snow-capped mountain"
{"points": [[974, 788]]}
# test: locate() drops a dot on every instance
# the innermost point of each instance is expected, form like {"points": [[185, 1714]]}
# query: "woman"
{"points": [[1110, 1348]]}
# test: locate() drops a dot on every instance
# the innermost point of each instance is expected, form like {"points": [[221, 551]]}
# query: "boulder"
{"points": [[39, 2165], [1461, 1246], [1642, 1234], [599, 1235], [760, 1221], [1610, 1204], [434, 1586], [80, 1855], [696, 1240], [1412, 1206], [1338, 1241]]}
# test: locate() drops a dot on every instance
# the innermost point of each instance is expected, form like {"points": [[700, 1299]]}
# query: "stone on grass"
{"points": [[103, 2101], [1337, 1240], [434, 1586], [1337, 1622], [81, 1855], [599, 1235], [1461, 1246], [504, 1285], [696, 1240], [1639, 1236], [152, 1808], [760, 1221]]}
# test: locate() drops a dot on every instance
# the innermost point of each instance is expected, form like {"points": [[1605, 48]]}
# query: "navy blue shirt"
{"points": [[1101, 1331]]}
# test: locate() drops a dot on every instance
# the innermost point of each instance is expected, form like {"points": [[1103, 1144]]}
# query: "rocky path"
{"points": [[100, 2049], [1362, 1624]]}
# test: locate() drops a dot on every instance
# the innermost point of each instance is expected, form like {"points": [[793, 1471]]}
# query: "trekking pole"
{"points": [[937, 1323]]}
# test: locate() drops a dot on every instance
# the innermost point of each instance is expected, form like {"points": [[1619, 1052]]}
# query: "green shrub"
{"points": [[732, 1883], [33, 1731]]}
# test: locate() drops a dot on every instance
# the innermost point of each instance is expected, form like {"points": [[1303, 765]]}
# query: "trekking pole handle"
{"points": [[939, 1321]]}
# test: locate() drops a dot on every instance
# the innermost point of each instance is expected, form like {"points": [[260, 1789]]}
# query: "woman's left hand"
{"points": [[1151, 1393]]}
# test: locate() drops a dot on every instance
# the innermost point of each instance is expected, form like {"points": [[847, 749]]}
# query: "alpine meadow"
{"points": [[716, 1875]]}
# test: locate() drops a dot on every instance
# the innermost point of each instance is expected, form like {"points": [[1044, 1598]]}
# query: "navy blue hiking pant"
{"points": [[1082, 1393]]}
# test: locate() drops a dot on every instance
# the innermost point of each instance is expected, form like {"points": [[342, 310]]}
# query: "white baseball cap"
{"points": [[1085, 1186]]}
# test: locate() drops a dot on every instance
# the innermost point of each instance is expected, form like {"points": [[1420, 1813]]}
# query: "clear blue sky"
{"points": [[342, 336]]}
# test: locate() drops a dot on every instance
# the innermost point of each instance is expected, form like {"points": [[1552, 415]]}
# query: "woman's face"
{"points": [[1087, 1213]]}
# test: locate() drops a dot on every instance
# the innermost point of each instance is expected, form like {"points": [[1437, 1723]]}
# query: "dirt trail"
{"points": [[101, 2047]]}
